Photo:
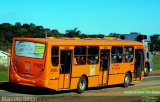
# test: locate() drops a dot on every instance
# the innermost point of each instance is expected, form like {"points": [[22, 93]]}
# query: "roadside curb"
{"points": [[155, 72]]}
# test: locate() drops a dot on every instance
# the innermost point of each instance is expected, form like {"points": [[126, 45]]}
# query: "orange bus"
{"points": [[69, 63]]}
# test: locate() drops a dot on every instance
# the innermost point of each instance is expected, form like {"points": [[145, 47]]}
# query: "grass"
{"points": [[156, 62], [148, 99], [150, 89], [156, 66], [4, 76], [3, 73]]}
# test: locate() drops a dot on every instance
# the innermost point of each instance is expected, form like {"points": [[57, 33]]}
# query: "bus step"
{"points": [[64, 89], [135, 81], [102, 85]]}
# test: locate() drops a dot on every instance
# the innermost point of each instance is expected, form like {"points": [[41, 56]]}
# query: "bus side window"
{"points": [[128, 54], [117, 54], [55, 56], [93, 55], [79, 55]]}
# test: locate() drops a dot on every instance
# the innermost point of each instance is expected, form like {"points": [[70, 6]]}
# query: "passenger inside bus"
{"points": [[79, 60], [119, 58], [128, 58], [92, 60]]}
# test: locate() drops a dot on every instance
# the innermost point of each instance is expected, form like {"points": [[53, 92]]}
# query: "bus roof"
{"points": [[81, 42]]}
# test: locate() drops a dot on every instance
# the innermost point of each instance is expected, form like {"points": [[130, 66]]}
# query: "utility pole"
{"points": [[45, 33]]}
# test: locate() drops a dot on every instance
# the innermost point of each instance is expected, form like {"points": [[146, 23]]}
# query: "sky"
{"points": [[89, 16]]}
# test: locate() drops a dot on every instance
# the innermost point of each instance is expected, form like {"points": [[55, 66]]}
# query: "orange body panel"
{"points": [[61, 80], [116, 79], [74, 82], [103, 77], [53, 84], [66, 81], [93, 81]]}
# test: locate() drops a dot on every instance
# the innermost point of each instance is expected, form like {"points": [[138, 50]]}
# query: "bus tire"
{"points": [[127, 80], [82, 84], [146, 70]]}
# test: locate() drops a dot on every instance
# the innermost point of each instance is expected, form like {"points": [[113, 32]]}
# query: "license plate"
{"points": [[26, 75]]}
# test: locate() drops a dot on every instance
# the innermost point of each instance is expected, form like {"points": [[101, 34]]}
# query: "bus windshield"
{"points": [[29, 49]]}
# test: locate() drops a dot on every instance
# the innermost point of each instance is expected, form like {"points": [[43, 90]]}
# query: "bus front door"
{"points": [[104, 66], [138, 66], [65, 69]]}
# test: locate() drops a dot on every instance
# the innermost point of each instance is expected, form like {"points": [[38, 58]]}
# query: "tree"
{"points": [[83, 36], [73, 33], [155, 39], [18, 24], [114, 35], [54, 33]]}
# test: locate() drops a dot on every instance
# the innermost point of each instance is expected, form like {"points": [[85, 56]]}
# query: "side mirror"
{"points": [[144, 36], [141, 37], [121, 36]]}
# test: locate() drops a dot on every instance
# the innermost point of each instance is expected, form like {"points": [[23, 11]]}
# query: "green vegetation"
{"points": [[150, 89], [137, 100], [156, 62], [4, 76], [148, 99], [9, 31], [155, 42], [4, 73]]}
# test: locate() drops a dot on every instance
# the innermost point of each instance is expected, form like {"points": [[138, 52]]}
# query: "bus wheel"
{"points": [[146, 70], [82, 85], [127, 80]]}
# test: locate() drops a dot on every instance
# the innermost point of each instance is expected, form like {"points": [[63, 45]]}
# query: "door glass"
{"points": [[65, 62], [68, 62], [105, 60], [138, 62]]}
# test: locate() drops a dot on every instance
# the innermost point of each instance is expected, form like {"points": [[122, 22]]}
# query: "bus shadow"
{"points": [[109, 87], [22, 89]]}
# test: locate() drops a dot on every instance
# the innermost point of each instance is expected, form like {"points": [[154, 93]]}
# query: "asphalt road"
{"points": [[115, 93]]}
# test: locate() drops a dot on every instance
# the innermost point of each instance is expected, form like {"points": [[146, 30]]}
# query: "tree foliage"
{"points": [[114, 35], [9, 31], [155, 39], [73, 33]]}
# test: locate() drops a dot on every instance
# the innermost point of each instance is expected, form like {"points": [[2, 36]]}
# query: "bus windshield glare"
{"points": [[29, 49]]}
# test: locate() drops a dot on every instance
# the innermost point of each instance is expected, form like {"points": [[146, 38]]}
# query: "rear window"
{"points": [[29, 49]]}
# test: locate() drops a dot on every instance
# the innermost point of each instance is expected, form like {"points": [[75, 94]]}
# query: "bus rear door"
{"points": [[65, 69], [138, 66]]}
